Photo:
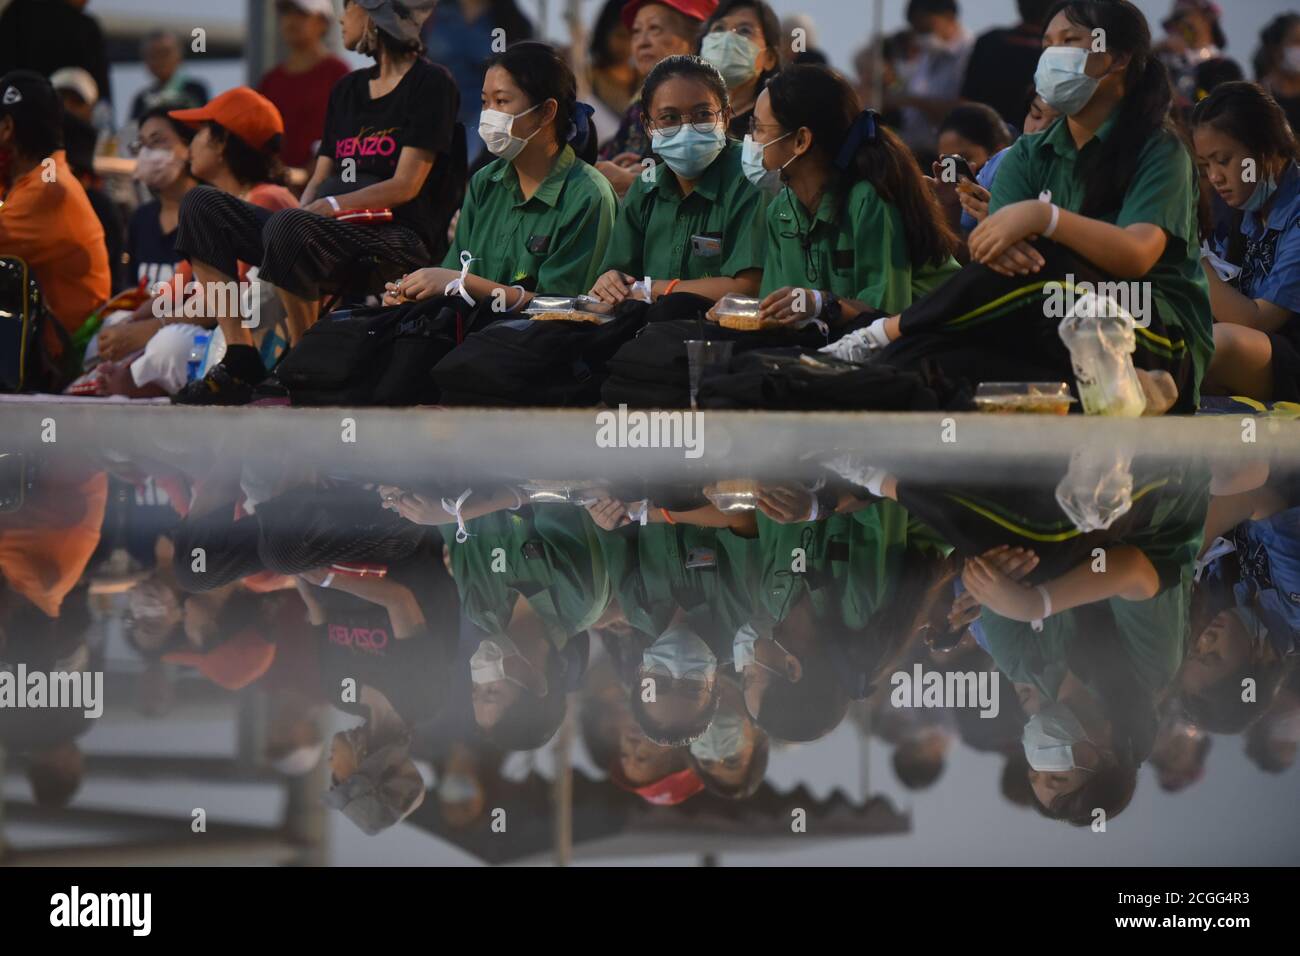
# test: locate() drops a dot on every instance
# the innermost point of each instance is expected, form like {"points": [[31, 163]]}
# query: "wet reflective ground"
{"points": [[423, 637]]}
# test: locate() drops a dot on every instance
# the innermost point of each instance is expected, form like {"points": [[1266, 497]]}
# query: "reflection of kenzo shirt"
{"points": [[419, 112]]}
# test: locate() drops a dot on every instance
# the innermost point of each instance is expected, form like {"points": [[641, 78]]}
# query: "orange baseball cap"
{"points": [[234, 664], [243, 111], [695, 9]]}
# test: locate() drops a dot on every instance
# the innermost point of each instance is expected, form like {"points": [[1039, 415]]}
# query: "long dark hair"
{"points": [[1144, 111], [543, 74], [816, 97], [1249, 114]]}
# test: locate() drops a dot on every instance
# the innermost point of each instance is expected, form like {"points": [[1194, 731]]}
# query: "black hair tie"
{"points": [[865, 129]]}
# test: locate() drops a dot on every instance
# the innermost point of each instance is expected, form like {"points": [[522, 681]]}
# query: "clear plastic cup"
{"points": [[702, 354], [1100, 336]]}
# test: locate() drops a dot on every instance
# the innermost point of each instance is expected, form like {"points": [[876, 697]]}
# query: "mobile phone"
{"points": [[960, 167]]}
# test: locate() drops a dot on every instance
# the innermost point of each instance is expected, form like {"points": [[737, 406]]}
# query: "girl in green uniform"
{"points": [[1106, 196], [689, 223], [538, 218], [856, 228]]}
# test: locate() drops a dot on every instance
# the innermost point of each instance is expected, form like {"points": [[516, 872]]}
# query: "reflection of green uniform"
{"points": [[703, 571], [550, 555], [851, 563], [1153, 633], [857, 250], [551, 242]]}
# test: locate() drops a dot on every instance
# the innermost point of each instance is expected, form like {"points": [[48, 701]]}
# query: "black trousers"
{"points": [[981, 326], [294, 250]]}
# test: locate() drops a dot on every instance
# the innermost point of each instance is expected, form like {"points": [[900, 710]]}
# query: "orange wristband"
{"points": [[667, 516], [672, 285]]}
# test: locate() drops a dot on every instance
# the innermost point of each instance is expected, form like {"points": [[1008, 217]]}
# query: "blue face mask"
{"points": [[689, 152], [735, 56], [1263, 193], [1061, 79]]}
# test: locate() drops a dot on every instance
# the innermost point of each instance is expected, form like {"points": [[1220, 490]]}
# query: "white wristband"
{"points": [[334, 203], [1037, 623], [817, 303], [1051, 226], [327, 580]]}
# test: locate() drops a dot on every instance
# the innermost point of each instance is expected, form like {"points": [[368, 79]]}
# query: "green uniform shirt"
{"points": [[850, 564], [550, 555], [1163, 193], [858, 251], [550, 243], [713, 232], [1154, 633], [703, 571]]}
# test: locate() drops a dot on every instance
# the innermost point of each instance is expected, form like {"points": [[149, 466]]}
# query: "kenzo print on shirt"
{"points": [[368, 144]]}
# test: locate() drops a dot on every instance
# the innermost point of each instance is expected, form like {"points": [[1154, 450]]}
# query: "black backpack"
{"points": [[652, 370], [375, 355], [794, 379], [26, 364], [522, 362]]}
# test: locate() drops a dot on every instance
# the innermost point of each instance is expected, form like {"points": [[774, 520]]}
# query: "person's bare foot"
{"points": [[1159, 389]]}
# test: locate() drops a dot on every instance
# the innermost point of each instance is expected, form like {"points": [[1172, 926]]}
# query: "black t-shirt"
{"points": [[151, 253], [358, 640], [1001, 70], [419, 112]]}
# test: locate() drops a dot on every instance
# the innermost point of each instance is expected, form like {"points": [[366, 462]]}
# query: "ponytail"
{"points": [[859, 147], [1144, 112]]}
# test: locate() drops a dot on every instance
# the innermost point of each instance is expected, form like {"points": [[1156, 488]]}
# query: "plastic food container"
{"points": [[583, 308], [1035, 398], [739, 312], [732, 496]]}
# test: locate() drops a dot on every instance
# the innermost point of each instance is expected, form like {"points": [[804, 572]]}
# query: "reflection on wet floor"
{"points": [[522, 666]]}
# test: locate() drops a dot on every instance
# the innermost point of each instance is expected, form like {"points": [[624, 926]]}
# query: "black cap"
{"points": [[37, 111]]}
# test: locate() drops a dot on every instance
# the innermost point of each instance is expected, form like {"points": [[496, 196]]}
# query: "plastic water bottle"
{"points": [[1099, 334], [1098, 488], [198, 355]]}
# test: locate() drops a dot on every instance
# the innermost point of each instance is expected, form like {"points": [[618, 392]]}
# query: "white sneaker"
{"points": [[855, 347]]}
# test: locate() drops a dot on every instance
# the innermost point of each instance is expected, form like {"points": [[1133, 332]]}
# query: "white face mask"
{"points": [[1049, 739], [751, 161], [725, 737], [488, 662], [495, 128], [157, 168], [1061, 79], [681, 652]]}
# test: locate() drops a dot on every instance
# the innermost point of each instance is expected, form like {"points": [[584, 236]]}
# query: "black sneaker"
{"points": [[218, 387]]}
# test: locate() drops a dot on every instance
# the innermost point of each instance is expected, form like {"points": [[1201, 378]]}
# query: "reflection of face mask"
{"points": [[680, 652], [1049, 739], [157, 168], [488, 663], [742, 647], [1264, 191], [1061, 79], [735, 56], [1291, 59], [495, 126], [457, 788], [689, 152], [751, 161], [725, 737], [1284, 730]]}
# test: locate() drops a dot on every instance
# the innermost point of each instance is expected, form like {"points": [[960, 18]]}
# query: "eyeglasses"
{"points": [[668, 124]]}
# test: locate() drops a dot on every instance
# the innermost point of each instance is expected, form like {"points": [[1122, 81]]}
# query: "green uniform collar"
{"points": [[1058, 138], [549, 191]]}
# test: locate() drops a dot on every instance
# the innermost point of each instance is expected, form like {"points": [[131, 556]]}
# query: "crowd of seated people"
{"points": [[925, 235]]}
